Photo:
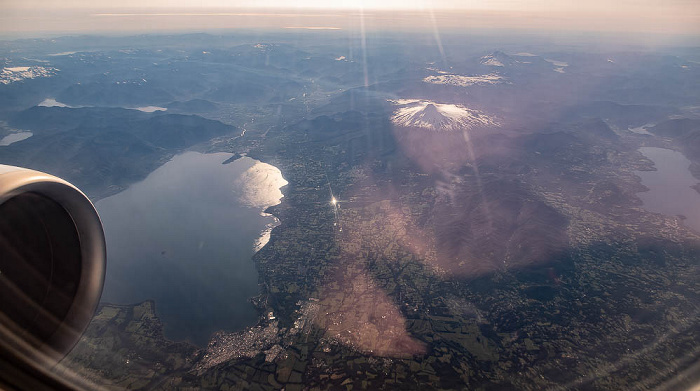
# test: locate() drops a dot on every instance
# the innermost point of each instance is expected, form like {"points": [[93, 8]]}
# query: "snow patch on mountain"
{"points": [[497, 59], [560, 65], [491, 61], [557, 63], [465, 81], [437, 70], [14, 74], [50, 102], [426, 114]]}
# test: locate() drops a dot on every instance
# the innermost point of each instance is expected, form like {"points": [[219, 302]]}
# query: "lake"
{"points": [[669, 186], [14, 137], [184, 237]]}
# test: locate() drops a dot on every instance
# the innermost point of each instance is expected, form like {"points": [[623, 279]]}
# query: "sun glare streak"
{"points": [[334, 204], [436, 34], [363, 38], [480, 187]]}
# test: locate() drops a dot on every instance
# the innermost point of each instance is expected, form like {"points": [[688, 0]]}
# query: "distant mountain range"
{"points": [[103, 150]]}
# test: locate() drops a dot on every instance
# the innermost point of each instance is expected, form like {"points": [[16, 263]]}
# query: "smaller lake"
{"points": [[14, 137], [184, 237], [669, 186]]}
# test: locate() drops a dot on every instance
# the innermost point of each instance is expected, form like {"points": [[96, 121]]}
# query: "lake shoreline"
{"points": [[672, 190], [170, 240]]}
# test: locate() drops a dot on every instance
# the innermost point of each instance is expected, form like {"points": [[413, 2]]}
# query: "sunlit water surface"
{"points": [[184, 237]]}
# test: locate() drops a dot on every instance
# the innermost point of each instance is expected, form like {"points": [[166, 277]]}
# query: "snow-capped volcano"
{"points": [[436, 116], [497, 59]]}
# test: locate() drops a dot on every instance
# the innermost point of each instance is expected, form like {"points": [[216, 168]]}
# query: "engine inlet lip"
{"points": [[15, 181]]}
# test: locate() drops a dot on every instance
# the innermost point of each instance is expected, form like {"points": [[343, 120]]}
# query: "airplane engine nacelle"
{"points": [[52, 265]]}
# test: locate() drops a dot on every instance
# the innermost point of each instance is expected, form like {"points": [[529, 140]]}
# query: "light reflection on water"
{"points": [[184, 237]]}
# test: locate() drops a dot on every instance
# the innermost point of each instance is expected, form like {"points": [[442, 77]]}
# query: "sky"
{"points": [[668, 17], [634, 7]]}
